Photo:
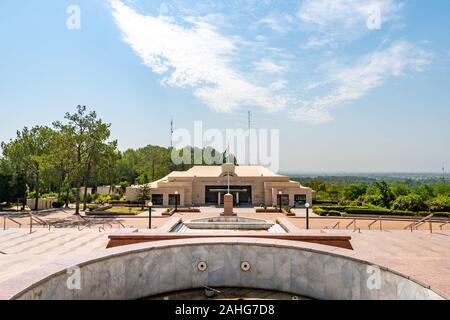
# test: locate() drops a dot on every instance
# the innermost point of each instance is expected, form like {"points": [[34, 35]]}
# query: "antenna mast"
{"points": [[171, 133], [443, 174], [249, 140]]}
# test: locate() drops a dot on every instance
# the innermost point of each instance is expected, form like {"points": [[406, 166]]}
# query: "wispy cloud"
{"points": [[334, 21], [278, 23], [226, 71], [353, 83], [268, 66], [193, 55]]}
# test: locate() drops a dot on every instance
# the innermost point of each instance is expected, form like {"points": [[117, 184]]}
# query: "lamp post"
{"points": [[307, 205], [176, 201], [150, 205], [280, 194]]}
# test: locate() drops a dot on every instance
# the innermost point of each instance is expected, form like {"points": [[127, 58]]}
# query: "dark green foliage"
{"points": [[440, 204], [410, 202], [58, 204]]}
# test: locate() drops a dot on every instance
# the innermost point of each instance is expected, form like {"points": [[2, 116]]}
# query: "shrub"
{"points": [[440, 204], [119, 202], [102, 199], [368, 211], [326, 213], [58, 204], [49, 195], [410, 202], [325, 202]]}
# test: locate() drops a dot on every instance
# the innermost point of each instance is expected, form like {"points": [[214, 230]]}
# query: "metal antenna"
{"points": [[171, 133], [249, 127]]}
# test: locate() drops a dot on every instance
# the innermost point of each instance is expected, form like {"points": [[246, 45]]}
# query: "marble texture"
{"points": [[142, 270]]}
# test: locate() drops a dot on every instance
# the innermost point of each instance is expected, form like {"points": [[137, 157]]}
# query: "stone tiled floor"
{"points": [[421, 255]]}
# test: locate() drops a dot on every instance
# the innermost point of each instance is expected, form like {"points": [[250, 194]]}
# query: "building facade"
{"points": [[206, 185]]}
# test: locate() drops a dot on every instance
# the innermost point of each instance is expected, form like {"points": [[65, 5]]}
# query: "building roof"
{"points": [[217, 171]]}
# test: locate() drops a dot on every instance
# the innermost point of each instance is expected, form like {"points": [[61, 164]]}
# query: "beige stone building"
{"points": [[206, 185]]}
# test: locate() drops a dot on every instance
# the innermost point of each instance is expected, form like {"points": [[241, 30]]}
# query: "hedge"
{"points": [[335, 210], [58, 204], [119, 202]]}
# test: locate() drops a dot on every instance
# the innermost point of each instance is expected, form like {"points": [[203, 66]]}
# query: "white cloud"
{"points": [[332, 21], [352, 83], [191, 53], [279, 84], [268, 66], [194, 56], [275, 23]]}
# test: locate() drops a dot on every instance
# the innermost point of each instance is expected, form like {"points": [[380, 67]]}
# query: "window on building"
{"points": [[157, 199], [300, 200], [172, 199]]}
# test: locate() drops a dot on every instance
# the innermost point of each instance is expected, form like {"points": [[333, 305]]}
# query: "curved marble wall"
{"points": [[143, 270]]}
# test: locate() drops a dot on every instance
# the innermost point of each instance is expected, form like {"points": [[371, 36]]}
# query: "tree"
{"points": [[440, 204], [85, 135], [399, 189], [410, 202], [354, 191], [27, 152], [384, 190], [143, 194]]}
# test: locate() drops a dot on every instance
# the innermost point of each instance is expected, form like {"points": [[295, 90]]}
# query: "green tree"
{"points": [[85, 134], [354, 191], [144, 194], [440, 204], [384, 190], [410, 202], [399, 189], [27, 152]]}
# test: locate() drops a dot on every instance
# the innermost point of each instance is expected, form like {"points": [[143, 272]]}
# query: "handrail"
{"points": [[416, 224], [85, 220], [41, 221], [336, 225], [442, 225], [380, 219], [10, 219], [353, 222], [120, 224]]}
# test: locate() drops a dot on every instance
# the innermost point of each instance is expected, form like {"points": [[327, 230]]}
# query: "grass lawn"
{"points": [[133, 210]]}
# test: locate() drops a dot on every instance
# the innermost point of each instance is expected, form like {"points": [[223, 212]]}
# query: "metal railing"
{"points": [[354, 225], [5, 217], [444, 224], [417, 224], [380, 219], [337, 225]]}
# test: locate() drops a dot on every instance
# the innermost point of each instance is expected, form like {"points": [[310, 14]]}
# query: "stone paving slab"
{"points": [[420, 255]]}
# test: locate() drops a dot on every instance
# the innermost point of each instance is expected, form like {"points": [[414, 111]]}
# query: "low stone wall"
{"points": [[144, 270]]}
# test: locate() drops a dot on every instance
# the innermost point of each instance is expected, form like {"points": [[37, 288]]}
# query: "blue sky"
{"points": [[348, 92]]}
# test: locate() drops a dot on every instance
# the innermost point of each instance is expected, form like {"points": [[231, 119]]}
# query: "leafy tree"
{"points": [[384, 190], [399, 189], [144, 194], [85, 136], [410, 202], [26, 153], [425, 191], [354, 191], [440, 204]]}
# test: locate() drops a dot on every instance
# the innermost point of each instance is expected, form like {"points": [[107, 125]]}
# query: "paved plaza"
{"points": [[421, 255]]}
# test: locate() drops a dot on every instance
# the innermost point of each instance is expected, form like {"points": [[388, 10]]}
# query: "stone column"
{"points": [[220, 199], [228, 205]]}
